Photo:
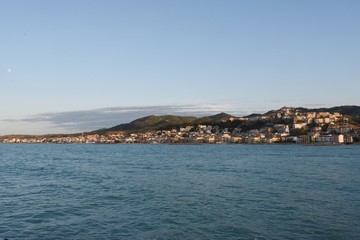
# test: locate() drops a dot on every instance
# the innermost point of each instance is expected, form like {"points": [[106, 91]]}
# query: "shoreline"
{"points": [[264, 144]]}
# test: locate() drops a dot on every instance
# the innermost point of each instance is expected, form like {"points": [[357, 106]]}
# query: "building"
{"points": [[299, 125], [338, 138], [324, 139]]}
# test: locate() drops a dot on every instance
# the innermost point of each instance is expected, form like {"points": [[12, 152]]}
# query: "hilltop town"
{"points": [[286, 125]]}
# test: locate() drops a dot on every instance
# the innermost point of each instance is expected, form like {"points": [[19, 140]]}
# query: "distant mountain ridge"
{"points": [[168, 121]]}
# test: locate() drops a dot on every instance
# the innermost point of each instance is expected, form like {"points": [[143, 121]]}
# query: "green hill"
{"points": [[150, 123], [213, 119], [170, 121]]}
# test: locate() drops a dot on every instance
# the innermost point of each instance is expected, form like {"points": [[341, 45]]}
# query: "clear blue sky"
{"points": [[240, 56]]}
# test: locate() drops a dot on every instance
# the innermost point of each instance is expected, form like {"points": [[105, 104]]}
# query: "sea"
{"points": [[79, 191]]}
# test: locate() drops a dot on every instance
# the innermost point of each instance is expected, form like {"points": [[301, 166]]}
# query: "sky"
{"points": [[71, 66]]}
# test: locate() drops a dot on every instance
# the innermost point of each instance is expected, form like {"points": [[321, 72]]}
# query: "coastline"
{"points": [[190, 144]]}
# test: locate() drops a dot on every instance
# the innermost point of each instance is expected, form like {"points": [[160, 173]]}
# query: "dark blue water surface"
{"points": [[179, 192]]}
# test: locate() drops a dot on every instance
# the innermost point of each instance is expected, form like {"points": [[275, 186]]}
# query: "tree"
{"points": [[298, 131]]}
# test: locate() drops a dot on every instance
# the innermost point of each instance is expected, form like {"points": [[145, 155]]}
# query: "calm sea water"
{"points": [[179, 192]]}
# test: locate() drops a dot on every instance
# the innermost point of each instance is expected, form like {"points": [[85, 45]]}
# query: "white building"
{"points": [[338, 138], [299, 125]]}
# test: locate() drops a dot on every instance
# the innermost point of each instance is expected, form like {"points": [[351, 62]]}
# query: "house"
{"points": [[210, 139], [311, 115], [322, 114], [319, 120], [340, 129], [304, 139], [324, 139], [299, 125], [338, 138], [282, 128], [236, 139], [226, 137]]}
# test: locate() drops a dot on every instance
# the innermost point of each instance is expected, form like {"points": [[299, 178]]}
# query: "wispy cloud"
{"points": [[88, 120]]}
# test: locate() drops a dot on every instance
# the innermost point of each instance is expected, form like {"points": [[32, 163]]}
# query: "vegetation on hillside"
{"points": [[168, 122]]}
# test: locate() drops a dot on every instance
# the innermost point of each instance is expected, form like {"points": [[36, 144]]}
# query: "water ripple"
{"points": [[179, 192]]}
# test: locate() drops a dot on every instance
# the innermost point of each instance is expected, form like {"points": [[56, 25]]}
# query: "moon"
{"points": [[9, 70]]}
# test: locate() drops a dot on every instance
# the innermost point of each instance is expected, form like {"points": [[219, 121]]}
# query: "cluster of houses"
{"points": [[284, 125], [317, 127]]}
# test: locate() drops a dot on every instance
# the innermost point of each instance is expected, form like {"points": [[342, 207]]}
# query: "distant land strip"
{"points": [[336, 125]]}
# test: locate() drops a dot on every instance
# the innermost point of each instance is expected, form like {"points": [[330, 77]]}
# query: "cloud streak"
{"points": [[88, 120]]}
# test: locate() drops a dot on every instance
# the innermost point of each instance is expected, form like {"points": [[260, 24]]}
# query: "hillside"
{"points": [[165, 122], [150, 123], [170, 121], [214, 118], [345, 110]]}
